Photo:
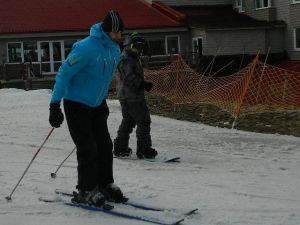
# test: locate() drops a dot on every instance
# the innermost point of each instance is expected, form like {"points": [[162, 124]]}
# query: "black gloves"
{"points": [[56, 117], [148, 85]]}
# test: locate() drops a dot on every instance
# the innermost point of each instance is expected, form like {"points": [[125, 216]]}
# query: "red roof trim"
{"points": [[172, 13], [77, 15]]}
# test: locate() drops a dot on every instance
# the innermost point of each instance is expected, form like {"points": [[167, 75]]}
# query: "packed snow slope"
{"points": [[233, 177]]}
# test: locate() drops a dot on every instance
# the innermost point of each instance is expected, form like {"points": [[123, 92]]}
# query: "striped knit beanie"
{"points": [[112, 22]]}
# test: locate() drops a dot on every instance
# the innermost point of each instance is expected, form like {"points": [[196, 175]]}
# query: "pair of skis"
{"points": [[65, 197]]}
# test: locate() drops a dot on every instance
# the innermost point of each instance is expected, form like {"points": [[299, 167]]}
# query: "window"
{"points": [[56, 51], [297, 39], [262, 4], [239, 4], [14, 52], [197, 44], [57, 54], [162, 45], [172, 44], [45, 51], [30, 52], [156, 46], [50, 55], [296, 1], [68, 44]]}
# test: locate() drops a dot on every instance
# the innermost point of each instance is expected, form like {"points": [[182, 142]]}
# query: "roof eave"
{"points": [[244, 28], [86, 32]]}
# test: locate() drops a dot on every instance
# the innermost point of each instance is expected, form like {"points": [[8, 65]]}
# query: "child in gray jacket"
{"points": [[130, 89]]}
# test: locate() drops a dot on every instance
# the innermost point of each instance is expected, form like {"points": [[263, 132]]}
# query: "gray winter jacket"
{"points": [[131, 80]]}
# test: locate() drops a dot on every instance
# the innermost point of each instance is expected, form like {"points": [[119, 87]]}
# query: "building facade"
{"points": [[277, 10], [280, 33], [42, 35], [220, 30]]}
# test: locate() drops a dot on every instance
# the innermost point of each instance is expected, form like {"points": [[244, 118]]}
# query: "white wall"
{"points": [[285, 11], [231, 42]]}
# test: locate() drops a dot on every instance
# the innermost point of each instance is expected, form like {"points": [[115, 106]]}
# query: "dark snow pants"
{"points": [[134, 113], [88, 129]]}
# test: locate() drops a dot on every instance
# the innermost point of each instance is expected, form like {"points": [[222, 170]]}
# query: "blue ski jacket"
{"points": [[86, 74]]}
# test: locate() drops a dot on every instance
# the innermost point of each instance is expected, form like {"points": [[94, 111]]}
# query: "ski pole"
{"points": [[8, 198], [53, 175]]}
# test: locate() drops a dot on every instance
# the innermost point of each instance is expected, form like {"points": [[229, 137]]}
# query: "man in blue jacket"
{"points": [[82, 82]]}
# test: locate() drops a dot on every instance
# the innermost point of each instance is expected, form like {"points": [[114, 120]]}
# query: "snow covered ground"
{"points": [[233, 177]]}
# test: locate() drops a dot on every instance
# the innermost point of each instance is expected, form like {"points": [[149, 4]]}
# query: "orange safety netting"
{"points": [[256, 88]]}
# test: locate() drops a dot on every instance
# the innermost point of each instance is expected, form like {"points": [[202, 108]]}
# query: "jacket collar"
{"points": [[97, 32]]}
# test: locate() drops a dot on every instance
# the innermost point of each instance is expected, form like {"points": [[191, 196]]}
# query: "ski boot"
{"points": [[92, 198], [147, 153], [113, 193], [121, 151]]}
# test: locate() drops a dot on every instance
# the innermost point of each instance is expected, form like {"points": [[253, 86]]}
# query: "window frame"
{"points": [[51, 58], [164, 38], [153, 38], [295, 39], [194, 50], [178, 44], [262, 4], [22, 51], [240, 5], [65, 55]]}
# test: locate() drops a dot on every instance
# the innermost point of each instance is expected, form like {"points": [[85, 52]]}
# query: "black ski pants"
{"points": [[89, 131], [134, 113]]}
